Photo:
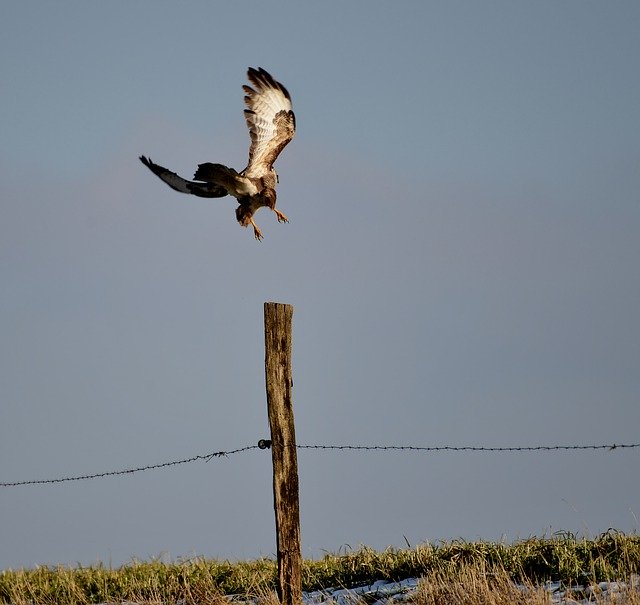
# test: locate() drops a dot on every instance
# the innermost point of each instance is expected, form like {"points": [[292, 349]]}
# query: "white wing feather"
{"points": [[270, 120]]}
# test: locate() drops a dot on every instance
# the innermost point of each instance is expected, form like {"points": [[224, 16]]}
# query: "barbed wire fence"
{"points": [[278, 319], [265, 444]]}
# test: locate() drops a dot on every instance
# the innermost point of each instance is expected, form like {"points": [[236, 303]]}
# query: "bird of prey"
{"points": [[272, 124]]}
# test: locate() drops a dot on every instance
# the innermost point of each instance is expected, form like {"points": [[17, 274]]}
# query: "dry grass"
{"points": [[474, 585], [192, 582], [560, 557], [452, 572]]}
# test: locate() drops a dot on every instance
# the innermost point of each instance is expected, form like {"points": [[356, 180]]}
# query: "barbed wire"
{"points": [[265, 444], [470, 448], [130, 471]]}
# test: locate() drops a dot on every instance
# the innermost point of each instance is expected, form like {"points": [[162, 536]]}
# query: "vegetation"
{"points": [[451, 572]]}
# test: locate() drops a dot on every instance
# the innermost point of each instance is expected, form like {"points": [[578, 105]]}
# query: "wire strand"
{"points": [[470, 448], [130, 471], [263, 444]]}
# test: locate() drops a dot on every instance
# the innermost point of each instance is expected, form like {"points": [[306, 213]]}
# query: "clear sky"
{"points": [[463, 257]]}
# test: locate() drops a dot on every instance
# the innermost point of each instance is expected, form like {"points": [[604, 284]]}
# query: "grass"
{"points": [[451, 572], [474, 585]]}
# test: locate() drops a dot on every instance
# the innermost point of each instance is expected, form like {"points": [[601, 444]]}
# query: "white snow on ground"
{"points": [[379, 592], [384, 593]]}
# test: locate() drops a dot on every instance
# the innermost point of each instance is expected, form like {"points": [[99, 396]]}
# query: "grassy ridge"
{"points": [[611, 555], [577, 560]]}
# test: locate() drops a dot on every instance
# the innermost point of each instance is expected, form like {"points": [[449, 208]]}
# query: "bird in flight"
{"points": [[271, 124]]}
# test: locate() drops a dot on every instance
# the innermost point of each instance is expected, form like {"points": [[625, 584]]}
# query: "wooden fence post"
{"points": [[277, 340]]}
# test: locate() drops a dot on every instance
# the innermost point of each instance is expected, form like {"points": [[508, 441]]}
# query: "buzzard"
{"points": [[272, 124]]}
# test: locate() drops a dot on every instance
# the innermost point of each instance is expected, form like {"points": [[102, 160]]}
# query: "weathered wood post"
{"points": [[277, 340]]}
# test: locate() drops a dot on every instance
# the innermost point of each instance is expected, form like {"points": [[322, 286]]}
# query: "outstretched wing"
{"points": [[182, 185], [270, 119]]}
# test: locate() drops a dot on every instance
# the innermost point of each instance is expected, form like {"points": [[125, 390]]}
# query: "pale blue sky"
{"points": [[462, 256]]}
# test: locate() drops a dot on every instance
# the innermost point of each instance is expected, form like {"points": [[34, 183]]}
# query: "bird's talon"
{"points": [[282, 218]]}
